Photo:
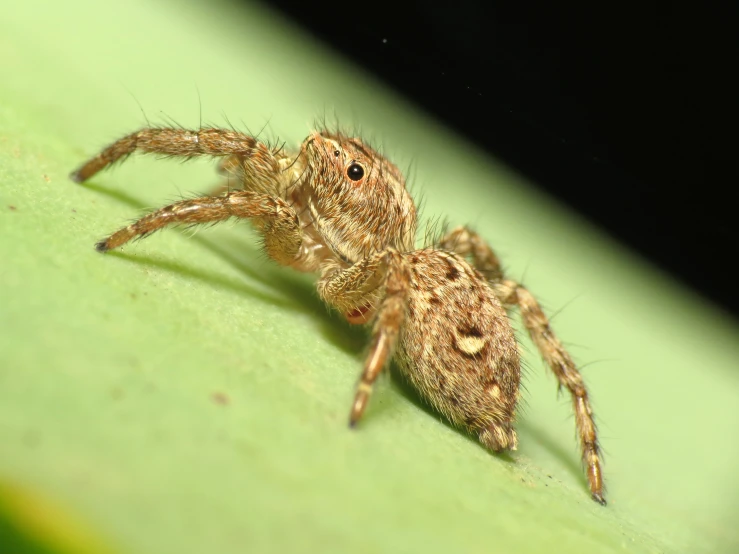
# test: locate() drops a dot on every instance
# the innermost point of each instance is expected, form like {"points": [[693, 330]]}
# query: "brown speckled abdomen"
{"points": [[457, 347]]}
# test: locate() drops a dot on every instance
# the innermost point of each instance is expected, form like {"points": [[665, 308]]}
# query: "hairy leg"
{"points": [[563, 367], [468, 243], [355, 291], [183, 143], [339, 290], [277, 220]]}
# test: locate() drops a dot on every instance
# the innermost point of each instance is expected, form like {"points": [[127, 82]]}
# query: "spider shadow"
{"points": [[298, 289], [294, 291], [564, 456], [410, 394], [530, 431]]}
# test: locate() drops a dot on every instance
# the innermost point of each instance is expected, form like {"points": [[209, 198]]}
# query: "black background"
{"points": [[628, 114]]}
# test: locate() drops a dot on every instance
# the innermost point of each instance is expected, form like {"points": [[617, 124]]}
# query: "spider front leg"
{"points": [[278, 221], [184, 143], [468, 243], [353, 287]]}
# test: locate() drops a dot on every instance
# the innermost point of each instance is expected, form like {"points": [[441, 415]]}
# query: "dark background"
{"points": [[626, 114]]}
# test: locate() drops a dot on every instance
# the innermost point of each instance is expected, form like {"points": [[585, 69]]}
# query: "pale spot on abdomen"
{"points": [[470, 344], [493, 391]]}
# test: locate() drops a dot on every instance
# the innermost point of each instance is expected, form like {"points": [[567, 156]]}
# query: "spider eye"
{"points": [[355, 172], [337, 153]]}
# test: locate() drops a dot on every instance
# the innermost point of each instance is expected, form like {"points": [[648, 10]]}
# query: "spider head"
{"points": [[357, 197]]}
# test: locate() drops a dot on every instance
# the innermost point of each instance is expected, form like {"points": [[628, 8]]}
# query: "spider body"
{"points": [[339, 209]]}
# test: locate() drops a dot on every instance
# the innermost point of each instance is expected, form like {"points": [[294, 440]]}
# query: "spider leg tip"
{"points": [[598, 497], [76, 176], [102, 246]]}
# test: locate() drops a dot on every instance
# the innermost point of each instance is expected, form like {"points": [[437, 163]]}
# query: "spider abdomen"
{"points": [[457, 347]]}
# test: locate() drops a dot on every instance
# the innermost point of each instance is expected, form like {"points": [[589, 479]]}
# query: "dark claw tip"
{"points": [[599, 499], [101, 246], [352, 424], [76, 177]]}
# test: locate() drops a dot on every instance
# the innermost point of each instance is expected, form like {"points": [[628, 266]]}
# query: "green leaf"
{"points": [[187, 395]]}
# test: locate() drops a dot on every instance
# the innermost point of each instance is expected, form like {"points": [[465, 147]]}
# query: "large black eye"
{"points": [[355, 172]]}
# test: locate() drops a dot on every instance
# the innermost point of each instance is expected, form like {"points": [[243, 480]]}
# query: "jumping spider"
{"points": [[338, 208]]}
